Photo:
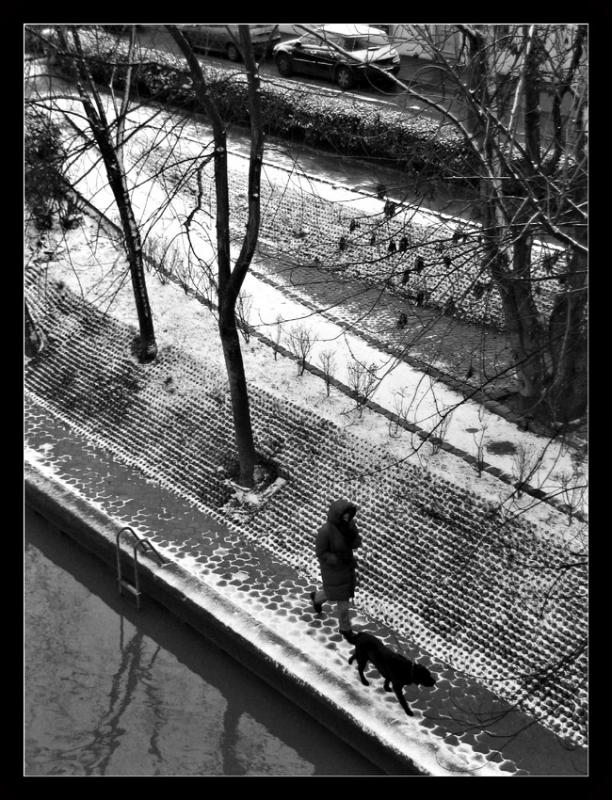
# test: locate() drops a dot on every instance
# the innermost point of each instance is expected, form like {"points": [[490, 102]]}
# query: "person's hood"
{"points": [[338, 508]]}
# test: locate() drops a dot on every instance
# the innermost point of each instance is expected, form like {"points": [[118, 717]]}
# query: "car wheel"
{"points": [[232, 52], [283, 64], [344, 78]]}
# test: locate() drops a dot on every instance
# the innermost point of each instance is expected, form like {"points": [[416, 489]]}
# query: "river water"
{"points": [[110, 691]]}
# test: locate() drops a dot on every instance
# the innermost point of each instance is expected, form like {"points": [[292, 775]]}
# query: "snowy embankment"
{"points": [[400, 389]]}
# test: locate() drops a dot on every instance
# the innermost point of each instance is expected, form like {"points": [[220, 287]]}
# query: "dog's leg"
{"points": [[361, 664], [387, 686], [352, 658], [398, 693]]}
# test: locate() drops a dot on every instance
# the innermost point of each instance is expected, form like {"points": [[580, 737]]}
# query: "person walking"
{"points": [[334, 546]]}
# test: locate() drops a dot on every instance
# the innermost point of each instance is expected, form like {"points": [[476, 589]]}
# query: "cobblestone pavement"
{"points": [[128, 446]]}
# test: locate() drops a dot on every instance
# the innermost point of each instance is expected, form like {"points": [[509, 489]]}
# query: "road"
{"points": [[391, 96]]}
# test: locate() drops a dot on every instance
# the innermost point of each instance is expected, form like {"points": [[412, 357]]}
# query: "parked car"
{"points": [[314, 54], [226, 39]]}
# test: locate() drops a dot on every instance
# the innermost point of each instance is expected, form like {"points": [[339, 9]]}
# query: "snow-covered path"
{"points": [[400, 388]]}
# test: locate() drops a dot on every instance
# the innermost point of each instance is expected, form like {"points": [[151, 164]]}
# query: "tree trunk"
{"points": [[230, 281], [234, 365], [147, 348], [509, 255], [113, 163], [522, 322], [33, 340], [531, 93], [567, 394]]}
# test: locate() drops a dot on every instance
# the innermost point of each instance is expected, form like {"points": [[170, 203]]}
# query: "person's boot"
{"points": [[318, 607]]}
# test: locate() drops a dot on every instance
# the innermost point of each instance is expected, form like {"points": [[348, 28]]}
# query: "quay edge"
{"points": [[202, 607]]}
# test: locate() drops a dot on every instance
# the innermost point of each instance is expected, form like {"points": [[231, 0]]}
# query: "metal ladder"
{"points": [[141, 544]]}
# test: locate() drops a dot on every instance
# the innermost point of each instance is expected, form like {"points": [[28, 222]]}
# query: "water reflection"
{"points": [[129, 675], [110, 691]]}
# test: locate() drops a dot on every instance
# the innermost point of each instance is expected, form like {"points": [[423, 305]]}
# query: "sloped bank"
{"points": [[459, 386]]}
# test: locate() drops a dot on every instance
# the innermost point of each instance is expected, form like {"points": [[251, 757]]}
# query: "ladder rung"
{"points": [[130, 587], [122, 583]]}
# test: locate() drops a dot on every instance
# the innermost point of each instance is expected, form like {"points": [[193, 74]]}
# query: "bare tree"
{"points": [[528, 186], [110, 138], [301, 341], [363, 379], [277, 336], [230, 279], [45, 193], [328, 363]]}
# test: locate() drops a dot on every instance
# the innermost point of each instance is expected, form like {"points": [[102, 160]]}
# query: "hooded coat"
{"points": [[334, 547]]}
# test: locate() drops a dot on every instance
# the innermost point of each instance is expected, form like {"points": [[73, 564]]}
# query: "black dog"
{"points": [[396, 669]]}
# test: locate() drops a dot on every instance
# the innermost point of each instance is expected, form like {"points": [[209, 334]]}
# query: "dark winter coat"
{"points": [[334, 547]]}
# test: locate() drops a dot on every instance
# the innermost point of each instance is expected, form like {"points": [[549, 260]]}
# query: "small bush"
{"points": [[277, 336], [363, 380], [478, 435], [328, 363], [524, 465], [301, 341]]}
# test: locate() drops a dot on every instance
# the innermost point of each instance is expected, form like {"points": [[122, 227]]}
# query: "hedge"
{"points": [[337, 123]]}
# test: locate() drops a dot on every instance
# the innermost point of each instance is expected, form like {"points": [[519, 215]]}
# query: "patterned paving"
{"points": [[458, 710]]}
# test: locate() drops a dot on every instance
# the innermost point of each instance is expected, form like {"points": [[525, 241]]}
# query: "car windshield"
{"points": [[371, 42]]}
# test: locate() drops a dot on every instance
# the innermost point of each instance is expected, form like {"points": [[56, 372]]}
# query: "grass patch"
{"points": [[501, 448]]}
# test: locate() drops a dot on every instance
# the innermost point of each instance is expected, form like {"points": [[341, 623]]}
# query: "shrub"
{"points": [[301, 341], [524, 465], [363, 380], [277, 336], [45, 190], [331, 123], [328, 363], [478, 435], [32, 40]]}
